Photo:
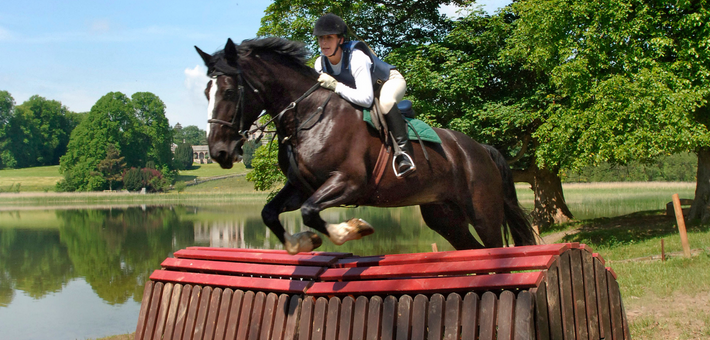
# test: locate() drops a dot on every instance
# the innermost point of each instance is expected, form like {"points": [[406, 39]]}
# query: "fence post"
{"points": [[681, 225]]}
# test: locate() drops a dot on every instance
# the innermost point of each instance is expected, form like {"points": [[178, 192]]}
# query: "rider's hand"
{"points": [[327, 81]]}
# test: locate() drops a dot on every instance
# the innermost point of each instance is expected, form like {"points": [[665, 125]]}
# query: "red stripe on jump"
{"points": [[456, 255], [498, 265], [253, 283], [429, 285], [221, 267], [271, 251], [302, 260]]}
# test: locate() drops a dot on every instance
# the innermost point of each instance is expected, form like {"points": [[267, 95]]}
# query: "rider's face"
{"points": [[328, 43]]}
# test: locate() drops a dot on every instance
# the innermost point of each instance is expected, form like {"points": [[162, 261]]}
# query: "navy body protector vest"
{"points": [[380, 70]]}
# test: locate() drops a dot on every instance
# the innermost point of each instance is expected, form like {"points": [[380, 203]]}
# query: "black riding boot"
{"points": [[403, 162]]}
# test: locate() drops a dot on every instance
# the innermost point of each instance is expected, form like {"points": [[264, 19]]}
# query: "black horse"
{"points": [[329, 155]]}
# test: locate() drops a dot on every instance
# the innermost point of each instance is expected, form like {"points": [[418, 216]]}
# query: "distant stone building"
{"points": [[201, 154]]}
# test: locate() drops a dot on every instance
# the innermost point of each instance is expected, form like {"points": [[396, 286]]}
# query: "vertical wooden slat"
{"points": [[506, 307], [235, 312], [542, 320], [213, 314], [374, 318], [591, 295], [163, 313], [345, 328], [578, 295], [280, 315], [331, 322], [488, 313], [404, 318], [419, 321], [625, 322], [172, 312], [267, 322], [192, 312], [223, 314], [202, 313], [153, 311], [182, 312], [305, 325], [389, 318], [524, 316], [554, 310], [294, 314], [257, 316], [617, 328], [435, 317], [602, 300], [566, 297], [245, 315], [452, 317], [470, 316], [145, 306], [360, 318], [319, 315]]}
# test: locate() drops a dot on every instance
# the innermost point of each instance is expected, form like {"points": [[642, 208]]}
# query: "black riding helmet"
{"points": [[329, 24]]}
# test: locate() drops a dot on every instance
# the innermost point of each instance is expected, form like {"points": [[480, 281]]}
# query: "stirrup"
{"points": [[404, 173]]}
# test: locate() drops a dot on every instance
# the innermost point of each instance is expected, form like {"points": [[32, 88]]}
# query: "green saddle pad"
{"points": [[425, 131]]}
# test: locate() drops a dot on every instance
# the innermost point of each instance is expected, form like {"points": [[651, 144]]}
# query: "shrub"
{"points": [[249, 148], [133, 180], [183, 156]]}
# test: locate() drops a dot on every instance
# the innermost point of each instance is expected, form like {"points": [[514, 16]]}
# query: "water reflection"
{"points": [[114, 251]]}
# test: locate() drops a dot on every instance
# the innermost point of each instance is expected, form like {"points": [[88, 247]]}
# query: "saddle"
{"points": [[418, 130]]}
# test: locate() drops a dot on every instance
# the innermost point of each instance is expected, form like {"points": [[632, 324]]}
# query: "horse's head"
{"points": [[231, 108]]}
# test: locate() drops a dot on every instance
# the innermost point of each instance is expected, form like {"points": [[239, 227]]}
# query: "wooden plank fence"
{"points": [[559, 291]]}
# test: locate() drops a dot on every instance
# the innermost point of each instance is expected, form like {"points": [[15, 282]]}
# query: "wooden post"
{"points": [[681, 225], [663, 252], [434, 248]]}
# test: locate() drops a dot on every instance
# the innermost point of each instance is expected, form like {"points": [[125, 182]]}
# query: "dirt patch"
{"points": [[654, 317]]}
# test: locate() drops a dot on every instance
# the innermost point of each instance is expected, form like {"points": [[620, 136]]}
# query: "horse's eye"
{"points": [[229, 94]]}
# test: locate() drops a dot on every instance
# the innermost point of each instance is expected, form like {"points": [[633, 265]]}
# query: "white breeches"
{"points": [[392, 91]]}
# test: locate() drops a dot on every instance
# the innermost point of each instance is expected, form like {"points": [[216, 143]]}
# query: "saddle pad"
{"points": [[425, 131]]}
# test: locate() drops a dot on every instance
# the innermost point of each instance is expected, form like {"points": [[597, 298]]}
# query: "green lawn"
{"points": [[44, 178]]}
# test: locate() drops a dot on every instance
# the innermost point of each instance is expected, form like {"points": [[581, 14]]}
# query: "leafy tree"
{"points": [[36, 133], [112, 166], [190, 134], [7, 109], [628, 80], [154, 126], [248, 152], [110, 121], [384, 24], [183, 156], [133, 179], [266, 172]]}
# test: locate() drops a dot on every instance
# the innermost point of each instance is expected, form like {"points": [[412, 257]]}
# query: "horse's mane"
{"points": [[294, 50]]}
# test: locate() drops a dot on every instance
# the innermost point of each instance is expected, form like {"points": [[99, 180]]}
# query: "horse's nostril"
{"points": [[222, 155]]}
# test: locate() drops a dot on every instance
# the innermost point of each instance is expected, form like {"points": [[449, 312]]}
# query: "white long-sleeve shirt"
{"points": [[360, 64]]}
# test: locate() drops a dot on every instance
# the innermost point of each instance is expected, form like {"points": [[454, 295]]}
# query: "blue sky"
{"points": [[77, 51]]}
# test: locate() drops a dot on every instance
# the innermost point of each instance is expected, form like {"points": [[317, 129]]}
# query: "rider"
{"points": [[351, 70]]}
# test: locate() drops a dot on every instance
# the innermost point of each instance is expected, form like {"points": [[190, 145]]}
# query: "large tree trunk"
{"points": [[701, 204], [550, 205]]}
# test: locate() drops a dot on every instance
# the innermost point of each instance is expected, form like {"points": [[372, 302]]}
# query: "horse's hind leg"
{"points": [[450, 222], [288, 199]]}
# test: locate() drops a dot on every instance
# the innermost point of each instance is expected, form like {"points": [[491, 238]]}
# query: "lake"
{"points": [[79, 272]]}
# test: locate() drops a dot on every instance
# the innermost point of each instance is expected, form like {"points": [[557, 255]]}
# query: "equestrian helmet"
{"points": [[329, 24]]}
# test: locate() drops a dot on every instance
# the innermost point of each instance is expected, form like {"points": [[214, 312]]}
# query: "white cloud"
{"points": [[5, 35], [195, 82]]}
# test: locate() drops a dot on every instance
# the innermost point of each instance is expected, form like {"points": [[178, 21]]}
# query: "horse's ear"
{"points": [[206, 57], [230, 50]]}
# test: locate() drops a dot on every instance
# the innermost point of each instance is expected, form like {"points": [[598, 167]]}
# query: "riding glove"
{"points": [[327, 81]]}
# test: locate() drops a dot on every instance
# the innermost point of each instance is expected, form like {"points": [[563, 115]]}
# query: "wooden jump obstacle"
{"points": [[557, 291]]}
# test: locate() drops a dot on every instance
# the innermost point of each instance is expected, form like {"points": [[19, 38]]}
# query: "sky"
{"points": [[75, 52]]}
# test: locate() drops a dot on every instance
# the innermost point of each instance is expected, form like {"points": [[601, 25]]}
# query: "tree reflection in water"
{"points": [[116, 250]]}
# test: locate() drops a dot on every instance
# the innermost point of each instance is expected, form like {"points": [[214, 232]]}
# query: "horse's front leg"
{"points": [[288, 199], [336, 191]]}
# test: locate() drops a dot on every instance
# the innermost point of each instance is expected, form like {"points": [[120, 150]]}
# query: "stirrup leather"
{"points": [[406, 172]]}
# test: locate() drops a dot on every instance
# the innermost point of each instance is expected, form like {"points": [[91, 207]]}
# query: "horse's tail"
{"points": [[515, 217]]}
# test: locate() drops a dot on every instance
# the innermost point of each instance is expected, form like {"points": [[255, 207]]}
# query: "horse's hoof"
{"points": [[304, 241], [362, 227]]}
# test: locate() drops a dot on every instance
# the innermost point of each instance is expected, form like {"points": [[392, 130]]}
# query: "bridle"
{"points": [[239, 108]]}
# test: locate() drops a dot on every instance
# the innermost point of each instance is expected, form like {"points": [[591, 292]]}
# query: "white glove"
{"points": [[327, 81]]}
